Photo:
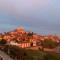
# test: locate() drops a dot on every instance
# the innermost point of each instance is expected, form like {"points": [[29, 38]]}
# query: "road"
{"points": [[4, 56]]}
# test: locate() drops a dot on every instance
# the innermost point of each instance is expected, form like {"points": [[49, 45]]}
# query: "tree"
{"points": [[49, 44], [2, 42], [30, 34]]}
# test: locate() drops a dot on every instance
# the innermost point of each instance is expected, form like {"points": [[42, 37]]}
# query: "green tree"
{"points": [[2, 42], [49, 44]]}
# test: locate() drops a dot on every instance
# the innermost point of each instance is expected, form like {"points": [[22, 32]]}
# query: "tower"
{"points": [[20, 29]]}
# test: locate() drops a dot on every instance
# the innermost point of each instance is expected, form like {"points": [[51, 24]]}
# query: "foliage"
{"points": [[2, 42], [49, 44], [30, 34], [52, 56], [27, 54]]}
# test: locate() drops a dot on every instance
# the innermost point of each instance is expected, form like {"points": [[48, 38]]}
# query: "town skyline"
{"points": [[30, 30]]}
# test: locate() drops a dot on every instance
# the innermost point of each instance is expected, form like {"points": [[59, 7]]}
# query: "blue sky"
{"points": [[41, 16]]}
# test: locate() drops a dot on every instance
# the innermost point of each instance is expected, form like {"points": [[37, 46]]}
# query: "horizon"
{"points": [[41, 16], [29, 30]]}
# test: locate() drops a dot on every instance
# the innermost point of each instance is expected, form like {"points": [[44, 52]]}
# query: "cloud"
{"points": [[22, 7], [6, 27], [41, 15]]}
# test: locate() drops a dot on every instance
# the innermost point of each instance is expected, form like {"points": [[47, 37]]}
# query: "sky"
{"points": [[40, 16]]}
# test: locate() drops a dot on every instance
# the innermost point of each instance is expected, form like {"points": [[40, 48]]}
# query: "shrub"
{"points": [[49, 44]]}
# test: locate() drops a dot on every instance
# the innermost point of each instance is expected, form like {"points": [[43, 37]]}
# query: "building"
{"points": [[20, 30]]}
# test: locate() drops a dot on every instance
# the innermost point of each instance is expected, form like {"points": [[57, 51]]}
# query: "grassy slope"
{"points": [[34, 53]]}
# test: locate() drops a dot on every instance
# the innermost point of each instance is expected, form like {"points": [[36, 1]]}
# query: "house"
{"points": [[22, 45]]}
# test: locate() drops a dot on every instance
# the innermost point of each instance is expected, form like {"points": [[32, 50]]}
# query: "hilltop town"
{"points": [[21, 43], [24, 39]]}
